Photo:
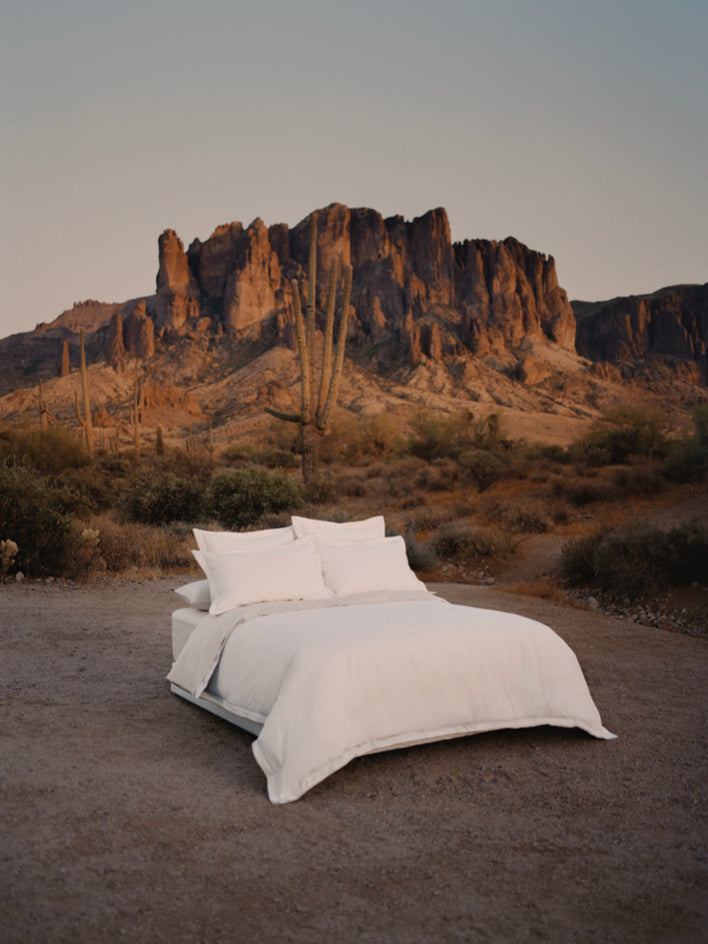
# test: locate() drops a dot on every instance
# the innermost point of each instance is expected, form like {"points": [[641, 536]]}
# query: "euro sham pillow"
{"points": [[368, 566], [371, 529], [237, 578], [216, 542], [196, 593]]}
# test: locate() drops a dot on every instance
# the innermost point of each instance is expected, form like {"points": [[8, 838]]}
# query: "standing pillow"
{"points": [[371, 529], [237, 578], [218, 541], [367, 566]]}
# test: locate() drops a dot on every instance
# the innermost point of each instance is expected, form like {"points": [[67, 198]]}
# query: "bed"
{"points": [[319, 640]]}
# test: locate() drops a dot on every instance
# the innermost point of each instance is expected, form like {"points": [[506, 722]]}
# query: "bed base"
{"points": [[209, 703]]}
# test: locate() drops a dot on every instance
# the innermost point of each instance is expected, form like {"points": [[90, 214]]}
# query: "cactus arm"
{"points": [[333, 391], [280, 415], [328, 335]]}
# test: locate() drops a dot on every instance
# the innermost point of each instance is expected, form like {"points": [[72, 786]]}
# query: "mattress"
{"points": [[183, 622]]}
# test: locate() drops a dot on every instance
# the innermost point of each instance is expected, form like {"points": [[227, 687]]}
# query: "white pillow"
{"points": [[367, 566], [371, 529], [237, 578], [196, 594], [218, 541]]}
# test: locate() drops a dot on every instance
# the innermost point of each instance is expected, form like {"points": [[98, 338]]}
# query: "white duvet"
{"points": [[335, 680]]}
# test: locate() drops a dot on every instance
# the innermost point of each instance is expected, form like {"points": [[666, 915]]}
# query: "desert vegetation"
{"points": [[462, 494]]}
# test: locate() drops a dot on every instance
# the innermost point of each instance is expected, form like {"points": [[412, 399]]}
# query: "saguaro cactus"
{"points": [[314, 414], [85, 421], [135, 418], [45, 417]]}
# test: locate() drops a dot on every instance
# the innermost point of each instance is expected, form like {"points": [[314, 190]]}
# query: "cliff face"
{"points": [[411, 283], [416, 296], [672, 322]]}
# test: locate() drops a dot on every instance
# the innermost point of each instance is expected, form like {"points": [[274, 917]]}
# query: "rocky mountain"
{"points": [[672, 322], [432, 323], [412, 285]]}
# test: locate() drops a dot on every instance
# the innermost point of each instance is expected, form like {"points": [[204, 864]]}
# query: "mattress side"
{"points": [[183, 622]]}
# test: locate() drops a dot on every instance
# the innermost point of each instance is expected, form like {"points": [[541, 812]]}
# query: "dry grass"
{"points": [[128, 547]]}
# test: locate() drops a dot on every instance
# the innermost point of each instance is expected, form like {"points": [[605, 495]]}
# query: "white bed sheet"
{"points": [[330, 683]]}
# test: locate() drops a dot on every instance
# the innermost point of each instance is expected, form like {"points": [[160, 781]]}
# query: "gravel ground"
{"points": [[128, 814]]}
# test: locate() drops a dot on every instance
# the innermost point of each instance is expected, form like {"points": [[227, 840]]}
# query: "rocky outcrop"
{"points": [[139, 333], [115, 349], [411, 283], [672, 322], [177, 292], [508, 292]]}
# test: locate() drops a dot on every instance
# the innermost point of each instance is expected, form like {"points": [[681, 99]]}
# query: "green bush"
{"points": [[237, 499], [622, 432], [481, 468], [160, 497], [436, 436], [32, 515], [637, 560]]}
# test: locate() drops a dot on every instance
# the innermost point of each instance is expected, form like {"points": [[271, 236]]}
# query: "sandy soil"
{"points": [[128, 814]]}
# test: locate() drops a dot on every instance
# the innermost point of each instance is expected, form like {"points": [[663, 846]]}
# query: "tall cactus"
{"points": [[85, 421], [45, 417], [135, 418], [314, 414]]}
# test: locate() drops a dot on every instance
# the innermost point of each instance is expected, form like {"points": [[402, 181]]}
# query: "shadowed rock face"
{"points": [[672, 322], [411, 284]]}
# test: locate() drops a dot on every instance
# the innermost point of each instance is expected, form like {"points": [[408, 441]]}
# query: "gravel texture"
{"points": [[127, 814]]}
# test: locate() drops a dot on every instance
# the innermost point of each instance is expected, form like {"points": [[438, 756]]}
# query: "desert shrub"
{"points": [[638, 559], [237, 499], [687, 460], [622, 432], [238, 452], [481, 468], [421, 556], [434, 436], [526, 517], [637, 480], [440, 475], [322, 488], [48, 451], [32, 516], [124, 546], [582, 492], [273, 457], [466, 544], [159, 496]]}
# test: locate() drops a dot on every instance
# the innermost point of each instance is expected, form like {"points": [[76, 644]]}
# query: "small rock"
{"points": [[19, 576], [593, 603]]}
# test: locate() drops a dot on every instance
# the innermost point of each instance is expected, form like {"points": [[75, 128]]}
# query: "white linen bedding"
{"points": [[337, 679]]}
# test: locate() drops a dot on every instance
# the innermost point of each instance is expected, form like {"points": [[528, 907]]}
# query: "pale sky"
{"points": [[578, 126]]}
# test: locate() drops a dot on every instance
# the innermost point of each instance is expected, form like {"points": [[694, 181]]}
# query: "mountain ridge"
{"points": [[454, 324]]}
